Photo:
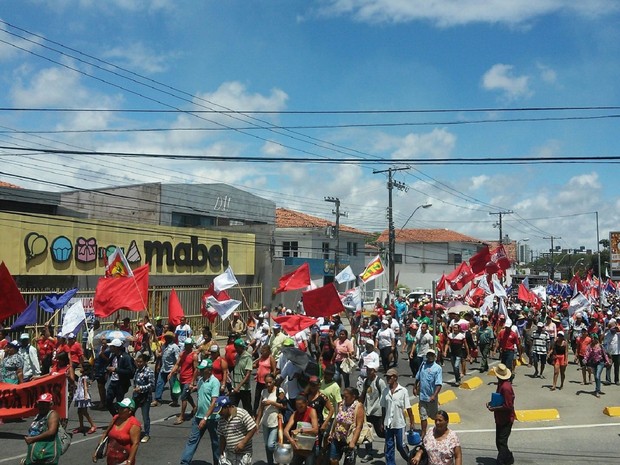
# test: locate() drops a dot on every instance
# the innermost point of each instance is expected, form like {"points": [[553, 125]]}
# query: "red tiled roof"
{"points": [[428, 235], [9, 185], [286, 218]]}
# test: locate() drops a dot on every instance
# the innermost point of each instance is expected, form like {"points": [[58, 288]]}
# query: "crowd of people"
{"points": [[302, 382]]}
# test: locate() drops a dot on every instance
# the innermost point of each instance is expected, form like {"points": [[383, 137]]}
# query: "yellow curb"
{"points": [[612, 411], [491, 372], [537, 415], [446, 396], [454, 416], [472, 383]]}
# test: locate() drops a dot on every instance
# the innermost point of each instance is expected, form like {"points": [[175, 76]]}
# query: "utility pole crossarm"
{"points": [[500, 214]]}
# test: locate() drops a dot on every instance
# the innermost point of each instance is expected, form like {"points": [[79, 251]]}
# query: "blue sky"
{"points": [[330, 55]]}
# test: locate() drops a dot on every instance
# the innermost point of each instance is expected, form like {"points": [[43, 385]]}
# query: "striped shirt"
{"points": [[541, 342], [234, 429]]}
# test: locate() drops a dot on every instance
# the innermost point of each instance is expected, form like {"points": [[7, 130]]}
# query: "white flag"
{"points": [[487, 305], [498, 289], [579, 303], [502, 309], [345, 275], [352, 298], [224, 308], [540, 291], [73, 317], [225, 280]]}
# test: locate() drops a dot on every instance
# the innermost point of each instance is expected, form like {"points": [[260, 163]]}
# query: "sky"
{"points": [[376, 82]]}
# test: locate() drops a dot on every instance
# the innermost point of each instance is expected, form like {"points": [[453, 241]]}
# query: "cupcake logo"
{"points": [[61, 249]]}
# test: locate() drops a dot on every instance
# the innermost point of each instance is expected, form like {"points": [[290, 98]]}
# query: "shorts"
{"points": [[336, 449], [186, 392], [582, 362], [428, 409]]}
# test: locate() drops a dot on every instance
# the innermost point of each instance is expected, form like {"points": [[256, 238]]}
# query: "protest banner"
{"points": [[20, 400]]}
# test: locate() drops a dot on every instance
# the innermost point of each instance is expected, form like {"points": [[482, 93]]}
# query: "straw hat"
{"points": [[502, 372]]}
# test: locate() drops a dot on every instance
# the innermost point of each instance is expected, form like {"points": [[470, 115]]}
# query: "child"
{"points": [[83, 402]]}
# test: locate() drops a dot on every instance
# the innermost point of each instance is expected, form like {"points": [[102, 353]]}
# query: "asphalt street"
{"points": [[582, 434]]}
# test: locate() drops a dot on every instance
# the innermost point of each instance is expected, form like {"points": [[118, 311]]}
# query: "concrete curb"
{"points": [[415, 409], [446, 396], [537, 415], [472, 383], [612, 411]]}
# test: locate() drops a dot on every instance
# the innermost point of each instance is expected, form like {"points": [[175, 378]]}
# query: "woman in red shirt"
{"points": [[124, 435], [304, 421], [220, 367]]}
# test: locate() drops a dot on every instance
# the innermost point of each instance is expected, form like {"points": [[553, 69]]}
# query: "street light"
{"points": [[426, 205], [574, 266]]}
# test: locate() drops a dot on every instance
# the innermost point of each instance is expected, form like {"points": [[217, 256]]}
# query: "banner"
{"points": [[20, 400], [374, 269]]}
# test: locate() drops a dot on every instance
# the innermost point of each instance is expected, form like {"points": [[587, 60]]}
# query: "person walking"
{"points": [[428, 382], [169, 354], [459, 350], [186, 367], [559, 351], [540, 348], [30, 356], [235, 428], [208, 388], [304, 421], [123, 434], [241, 390], [273, 401], [120, 372], [11, 366], [486, 337], [394, 404], [504, 414], [442, 446], [611, 343], [596, 358], [370, 397], [43, 433], [143, 387]]}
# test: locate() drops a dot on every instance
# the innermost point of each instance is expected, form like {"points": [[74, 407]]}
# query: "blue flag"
{"points": [[28, 316], [53, 302]]}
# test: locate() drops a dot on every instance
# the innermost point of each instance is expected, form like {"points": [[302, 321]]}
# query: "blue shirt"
{"points": [[430, 376]]}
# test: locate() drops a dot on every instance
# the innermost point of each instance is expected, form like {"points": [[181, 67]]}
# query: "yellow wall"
{"points": [[33, 245]]}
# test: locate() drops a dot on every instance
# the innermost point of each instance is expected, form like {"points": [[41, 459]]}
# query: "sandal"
{"points": [[93, 429], [77, 430], [178, 421]]}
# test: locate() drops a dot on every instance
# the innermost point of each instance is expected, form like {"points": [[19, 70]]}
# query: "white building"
{"points": [[423, 255]]}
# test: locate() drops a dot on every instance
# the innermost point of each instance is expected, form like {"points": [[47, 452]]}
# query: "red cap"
{"points": [[47, 397]]}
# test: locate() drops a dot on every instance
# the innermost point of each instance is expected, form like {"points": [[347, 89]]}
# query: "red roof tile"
{"points": [[286, 218], [428, 235], [9, 185]]}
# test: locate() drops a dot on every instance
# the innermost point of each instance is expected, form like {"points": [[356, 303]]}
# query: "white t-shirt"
{"points": [[270, 413], [384, 337]]}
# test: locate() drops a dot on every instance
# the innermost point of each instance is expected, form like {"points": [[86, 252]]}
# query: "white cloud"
{"points": [[273, 149], [547, 74], [551, 148], [439, 143], [479, 181], [8, 51], [138, 58], [500, 77], [446, 13]]}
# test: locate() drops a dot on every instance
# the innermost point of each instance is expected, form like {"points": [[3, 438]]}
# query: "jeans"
{"points": [[270, 436], [615, 361], [456, 367], [194, 438], [484, 356], [385, 357], [115, 392], [507, 357], [502, 433], [244, 397], [161, 384], [598, 371], [394, 439], [145, 408], [341, 374]]}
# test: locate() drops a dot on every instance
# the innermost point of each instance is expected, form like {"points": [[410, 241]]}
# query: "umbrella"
{"points": [[110, 334], [294, 324], [297, 357], [460, 308]]}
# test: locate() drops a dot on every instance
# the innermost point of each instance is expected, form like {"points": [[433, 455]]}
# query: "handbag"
{"points": [[367, 433], [102, 449], [349, 457], [43, 452], [551, 359], [65, 439], [347, 365]]}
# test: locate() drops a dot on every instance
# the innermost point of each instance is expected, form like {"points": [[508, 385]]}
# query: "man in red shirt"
{"points": [[45, 348], [504, 414], [186, 367], [230, 353], [61, 345], [507, 343], [76, 353]]}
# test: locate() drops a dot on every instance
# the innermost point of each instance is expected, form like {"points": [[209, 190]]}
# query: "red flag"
{"points": [[297, 279], [524, 293], [11, 300], [129, 293], [479, 261], [441, 285], [175, 310], [500, 257], [323, 301], [293, 324], [576, 281], [205, 309], [460, 276]]}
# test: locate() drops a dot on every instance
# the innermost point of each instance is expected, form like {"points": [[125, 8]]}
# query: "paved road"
{"points": [[582, 434]]}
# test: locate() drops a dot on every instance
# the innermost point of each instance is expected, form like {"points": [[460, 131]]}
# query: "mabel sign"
{"points": [[76, 246], [20, 400]]}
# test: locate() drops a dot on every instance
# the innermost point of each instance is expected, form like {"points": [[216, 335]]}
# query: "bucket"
{"points": [[413, 438]]}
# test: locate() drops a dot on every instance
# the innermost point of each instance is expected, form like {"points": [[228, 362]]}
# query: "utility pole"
{"points": [[500, 214], [552, 250], [338, 214], [390, 217]]}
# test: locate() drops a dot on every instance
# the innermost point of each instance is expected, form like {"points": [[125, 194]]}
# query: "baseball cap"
{"points": [[373, 365], [240, 342], [14, 344], [116, 343], [169, 334], [431, 352], [127, 403], [157, 318], [277, 326], [385, 322], [221, 402], [148, 325], [60, 335], [540, 324], [288, 342], [46, 397], [189, 341], [214, 348], [560, 333], [391, 372], [70, 336], [25, 336], [207, 363]]}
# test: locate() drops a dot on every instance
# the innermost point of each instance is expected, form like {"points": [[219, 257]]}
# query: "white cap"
{"points": [[24, 336], [373, 364], [116, 343]]}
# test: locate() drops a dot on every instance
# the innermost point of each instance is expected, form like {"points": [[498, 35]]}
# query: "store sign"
{"points": [[59, 245], [614, 254]]}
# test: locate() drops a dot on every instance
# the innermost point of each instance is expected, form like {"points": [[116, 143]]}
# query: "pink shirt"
{"points": [[343, 349]]}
